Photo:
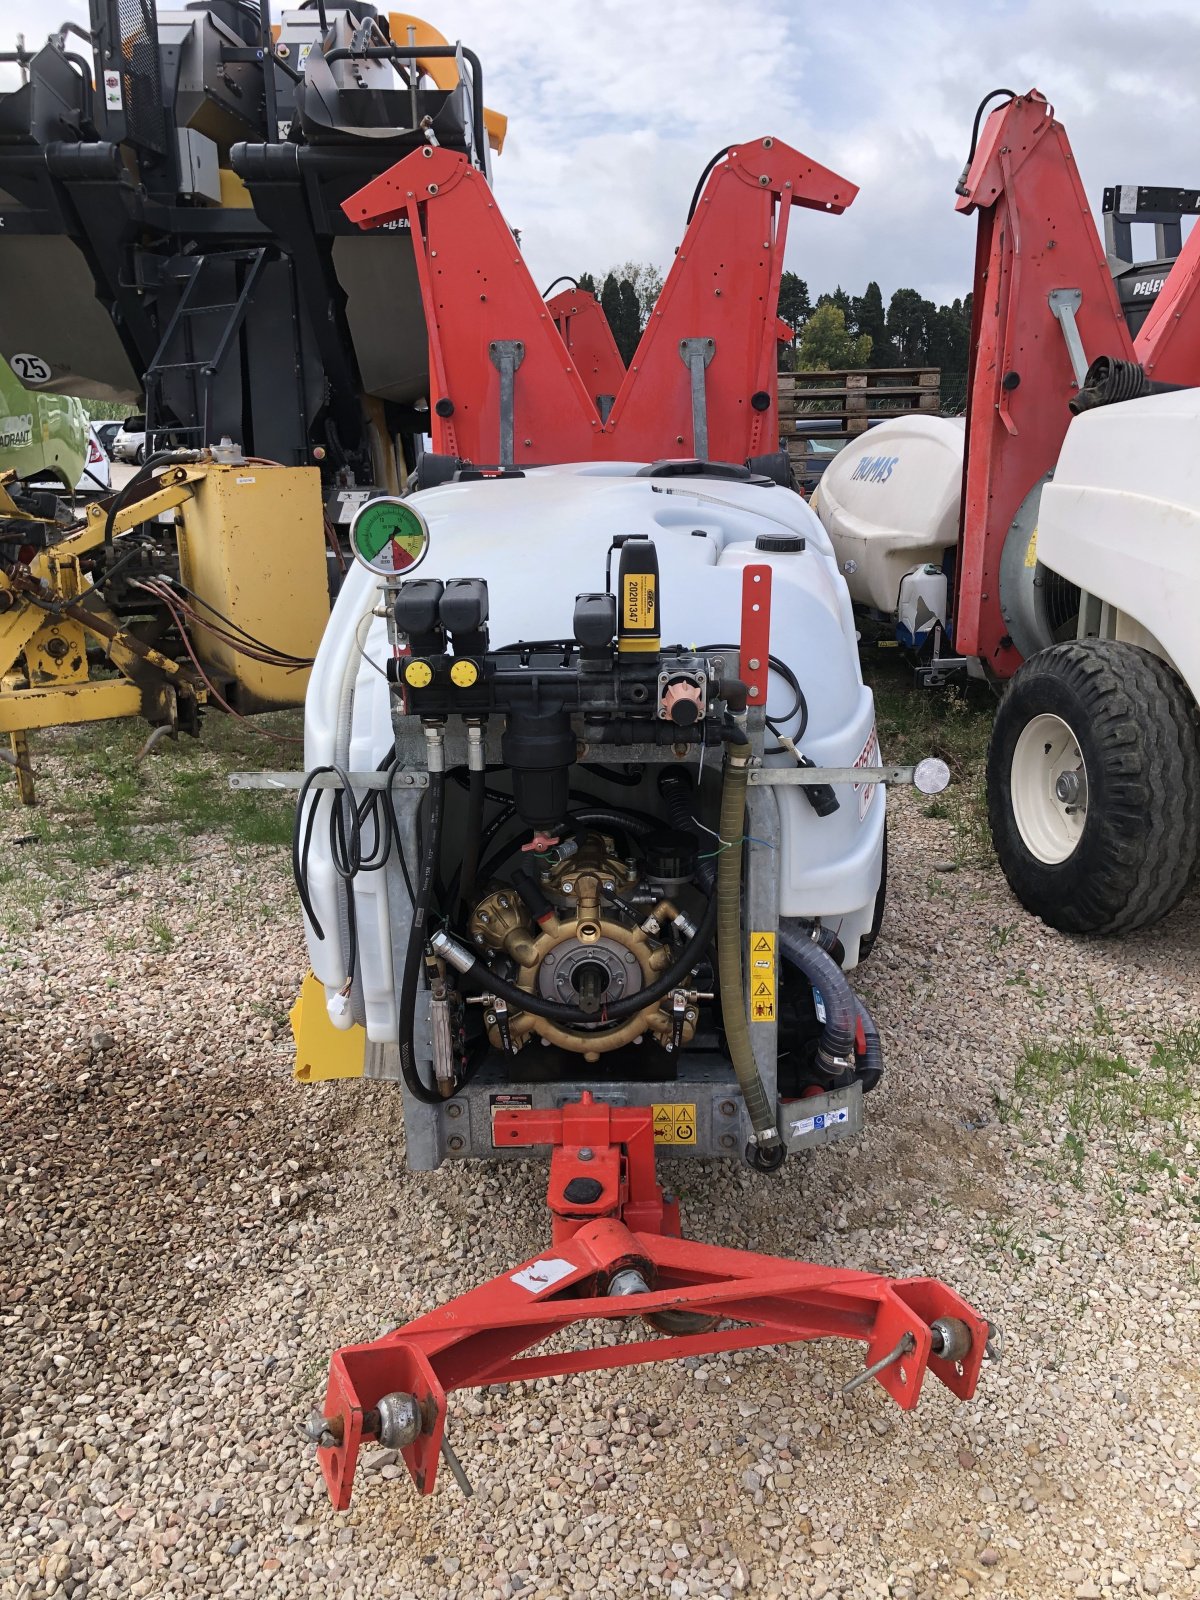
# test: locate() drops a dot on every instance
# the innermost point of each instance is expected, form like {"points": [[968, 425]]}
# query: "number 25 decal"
{"points": [[30, 369]]}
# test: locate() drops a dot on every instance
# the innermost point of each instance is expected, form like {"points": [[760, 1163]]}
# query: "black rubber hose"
{"points": [[125, 494], [703, 178], [993, 94], [605, 817], [677, 791], [836, 1044], [564, 277], [426, 873], [476, 796], [482, 977], [871, 1067]]}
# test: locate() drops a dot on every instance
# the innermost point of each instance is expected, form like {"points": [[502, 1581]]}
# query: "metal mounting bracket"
{"points": [[1064, 304], [696, 355], [506, 355]]}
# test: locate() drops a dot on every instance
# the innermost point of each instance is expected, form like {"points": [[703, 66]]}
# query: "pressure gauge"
{"points": [[389, 536]]}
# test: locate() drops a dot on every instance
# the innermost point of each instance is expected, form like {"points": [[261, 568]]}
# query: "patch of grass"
{"points": [[100, 808], [953, 723], [1136, 1118]]}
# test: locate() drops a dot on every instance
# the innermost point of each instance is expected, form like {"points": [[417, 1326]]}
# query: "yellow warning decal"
{"points": [[638, 600], [762, 977], [1031, 551], [675, 1124]]}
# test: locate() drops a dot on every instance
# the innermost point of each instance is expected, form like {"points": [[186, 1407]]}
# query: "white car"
{"points": [[129, 441], [96, 477]]}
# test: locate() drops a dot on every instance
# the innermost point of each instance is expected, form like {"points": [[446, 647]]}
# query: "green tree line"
{"points": [[833, 332]]}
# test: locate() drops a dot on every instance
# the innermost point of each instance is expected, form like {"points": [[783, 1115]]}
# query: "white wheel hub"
{"points": [[1049, 788]]}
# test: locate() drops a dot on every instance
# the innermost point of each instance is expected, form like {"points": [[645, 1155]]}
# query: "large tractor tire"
{"points": [[1093, 779]]}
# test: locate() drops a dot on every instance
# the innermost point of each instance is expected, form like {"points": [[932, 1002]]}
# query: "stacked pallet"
{"points": [[829, 408]]}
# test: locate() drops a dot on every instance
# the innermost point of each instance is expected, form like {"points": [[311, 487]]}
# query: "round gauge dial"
{"points": [[389, 536]]}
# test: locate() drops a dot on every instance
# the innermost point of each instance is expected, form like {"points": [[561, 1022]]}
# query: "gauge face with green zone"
{"points": [[389, 536]]}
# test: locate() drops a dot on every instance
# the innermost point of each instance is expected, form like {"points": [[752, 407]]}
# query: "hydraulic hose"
{"points": [[835, 1048], [724, 151], [677, 789], [476, 795], [767, 1149], [993, 94], [608, 817], [871, 1070], [422, 900], [141, 476]]}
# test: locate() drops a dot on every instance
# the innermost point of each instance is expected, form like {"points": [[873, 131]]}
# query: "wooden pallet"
{"points": [[854, 398]]}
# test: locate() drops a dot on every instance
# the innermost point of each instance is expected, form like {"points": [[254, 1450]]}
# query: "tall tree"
{"points": [[870, 318], [825, 345], [646, 281], [842, 301], [908, 326], [631, 321], [795, 307], [587, 283]]}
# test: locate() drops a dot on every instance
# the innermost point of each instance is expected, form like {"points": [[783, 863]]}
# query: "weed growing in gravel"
{"points": [[952, 723], [101, 809], [1128, 1125]]}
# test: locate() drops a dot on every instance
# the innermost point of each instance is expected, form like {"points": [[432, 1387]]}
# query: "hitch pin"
{"points": [[904, 1347], [456, 1467]]}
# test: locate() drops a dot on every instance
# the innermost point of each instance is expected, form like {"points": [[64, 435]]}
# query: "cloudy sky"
{"points": [[615, 107]]}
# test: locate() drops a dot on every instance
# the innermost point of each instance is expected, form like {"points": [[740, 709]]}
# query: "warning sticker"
{"points": [[508, 1102], [638, 600], [868, 757], [762, 977], [539, 1275], [675, 1123]]}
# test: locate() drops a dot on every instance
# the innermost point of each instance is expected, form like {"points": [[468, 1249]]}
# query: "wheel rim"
{"points": [[1049, 788]]}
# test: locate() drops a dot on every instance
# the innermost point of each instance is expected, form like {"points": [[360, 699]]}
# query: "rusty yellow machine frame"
{"points": [[251, 546]]}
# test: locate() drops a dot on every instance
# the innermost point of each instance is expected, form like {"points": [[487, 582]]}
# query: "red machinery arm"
{"points": [[703, 379], [1168, 343], [617, 1255], [584, 330], [1036, 236]]}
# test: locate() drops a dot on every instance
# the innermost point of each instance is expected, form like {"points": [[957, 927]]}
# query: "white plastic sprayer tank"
{"points": [[539, 541], [889, 502]]}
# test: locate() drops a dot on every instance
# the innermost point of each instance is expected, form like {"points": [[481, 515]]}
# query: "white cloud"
{"points": [[614, 108]]}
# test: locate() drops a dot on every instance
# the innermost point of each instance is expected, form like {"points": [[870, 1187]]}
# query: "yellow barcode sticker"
{"points": [[638, 600]]}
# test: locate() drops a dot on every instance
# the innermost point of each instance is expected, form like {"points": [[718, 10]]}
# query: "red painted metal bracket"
{"points": [[601, 1267], [1168, 343], [1035, 235], [723, 285], [584, 330], [755, 654]]}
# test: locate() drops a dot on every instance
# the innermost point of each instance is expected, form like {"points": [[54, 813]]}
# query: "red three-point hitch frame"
{"points": [[617, 1254]]}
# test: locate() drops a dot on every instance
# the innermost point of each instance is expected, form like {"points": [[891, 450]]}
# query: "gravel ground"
{"points": [[187, 1234]]}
